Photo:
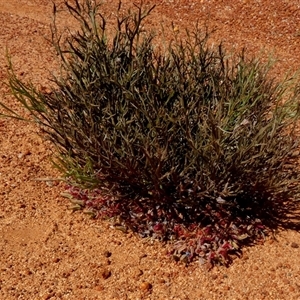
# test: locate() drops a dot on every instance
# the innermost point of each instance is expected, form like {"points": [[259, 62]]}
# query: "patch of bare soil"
{"points": [[48, 252]]}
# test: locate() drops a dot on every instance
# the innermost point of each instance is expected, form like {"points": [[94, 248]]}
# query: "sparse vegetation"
{"points": [[189, 145]]}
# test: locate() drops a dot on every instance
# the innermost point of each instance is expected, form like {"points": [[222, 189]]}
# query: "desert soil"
{"points": [[50, 252]]}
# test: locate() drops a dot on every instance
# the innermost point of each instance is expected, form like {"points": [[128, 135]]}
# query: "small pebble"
{"points": [[285, 281], [105, 273], [66, 274], [161, 280], [176, 258], [145, 286], [292, 289], [139, 273], [143, 256], [49, 296], [28, 272], [107, 253], [99, 288], [294, 245], [214, 276]]}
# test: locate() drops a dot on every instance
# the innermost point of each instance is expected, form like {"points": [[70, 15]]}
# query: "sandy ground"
{"points": [[48, 252]]}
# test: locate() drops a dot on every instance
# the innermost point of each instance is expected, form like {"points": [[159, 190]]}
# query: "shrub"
{"points": [[189, 144]]}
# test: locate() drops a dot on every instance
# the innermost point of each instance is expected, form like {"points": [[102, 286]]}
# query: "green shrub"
{"points": [[189, 144]]}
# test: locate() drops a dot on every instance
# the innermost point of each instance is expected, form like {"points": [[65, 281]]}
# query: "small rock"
{"points": [[24, 153], [56, 259], [214, 276], [142, 256], [46, 90], [145, 286], [208, 266], [161, 280], [139, 273], [99, 288], [285, 281], [279, 266], [28, 272], [290, 166], [107, 253], [176, 258], [292, 289], [27, 152], [105, 273], [66, 274], [294, 245], [49, 296]]}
